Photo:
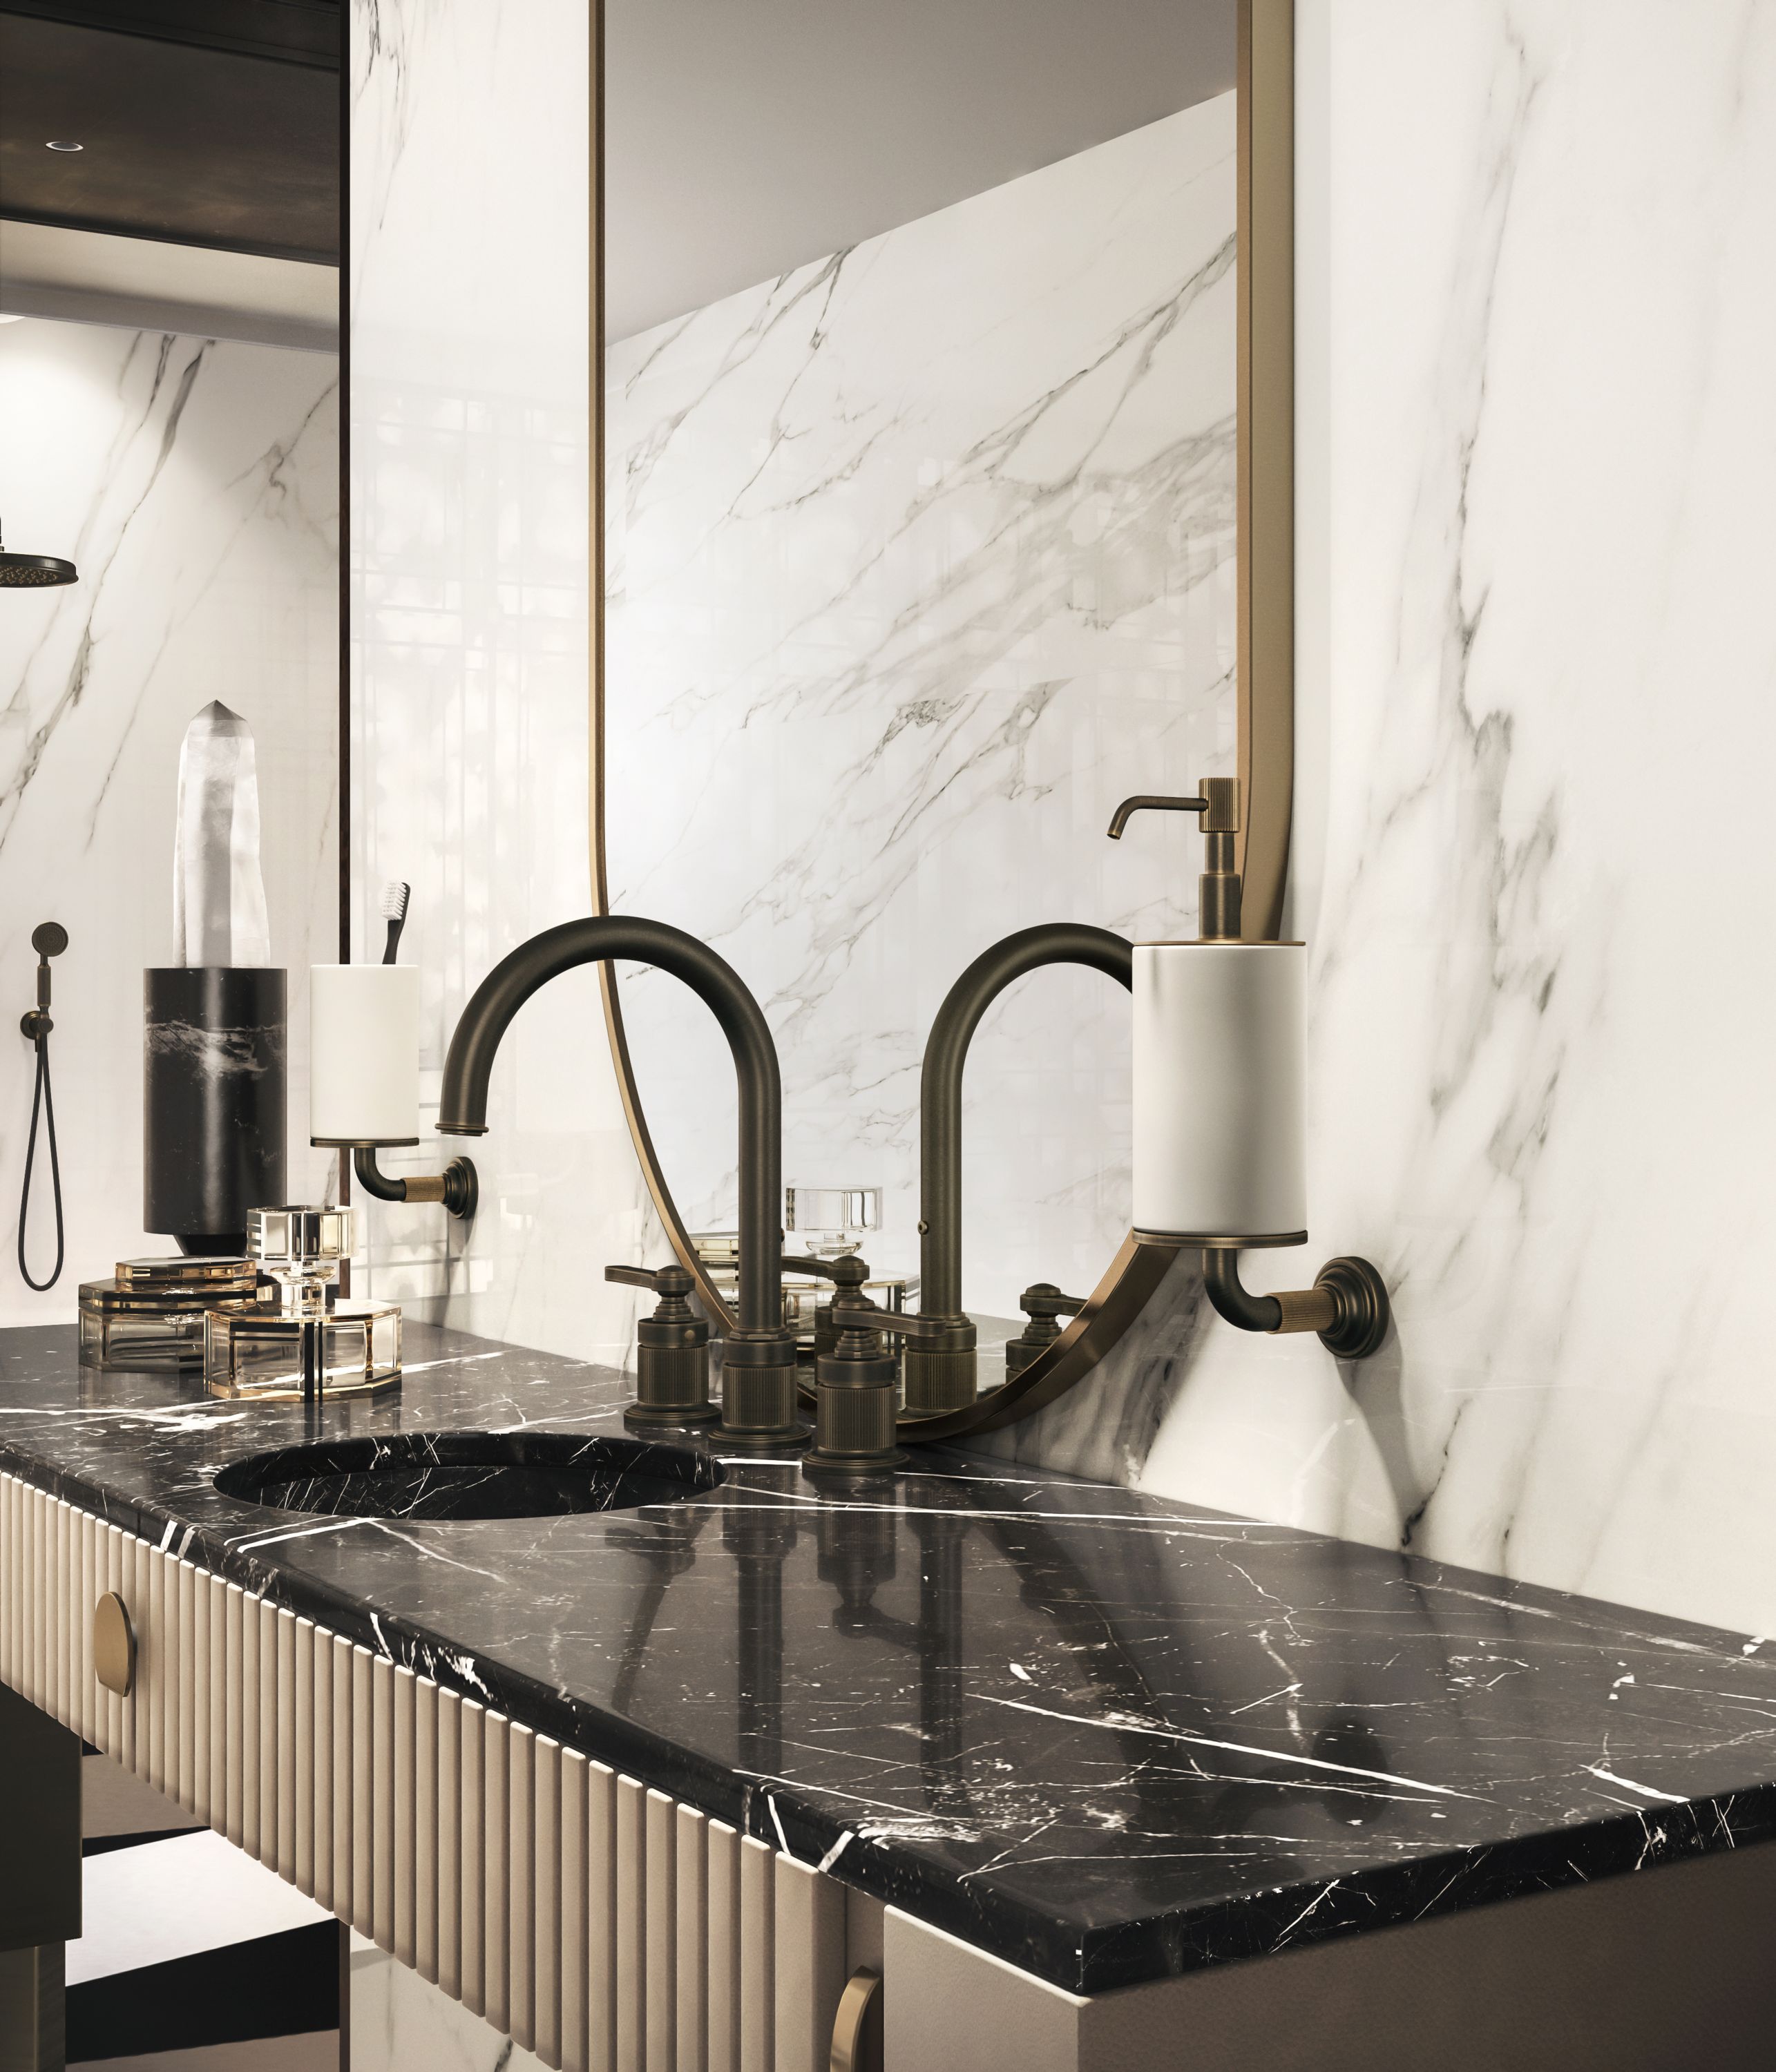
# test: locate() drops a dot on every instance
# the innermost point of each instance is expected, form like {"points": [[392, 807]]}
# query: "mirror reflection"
{"points": [[920, 434]]}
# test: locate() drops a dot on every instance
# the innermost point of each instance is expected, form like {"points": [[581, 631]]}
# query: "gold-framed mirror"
{"points": [[917, 552]]}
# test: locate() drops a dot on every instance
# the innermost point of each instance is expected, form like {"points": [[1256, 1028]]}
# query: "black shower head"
{"points": [[33, 571]]}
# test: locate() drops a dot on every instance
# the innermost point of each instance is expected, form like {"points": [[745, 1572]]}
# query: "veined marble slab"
{"points": [[1536, 431], [195, 484], [1108, 1738], [921, 558], [1538, 318]]}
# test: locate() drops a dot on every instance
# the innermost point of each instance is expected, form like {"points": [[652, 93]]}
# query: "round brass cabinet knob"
{"points": [[113, 1645], [856, 2033]]}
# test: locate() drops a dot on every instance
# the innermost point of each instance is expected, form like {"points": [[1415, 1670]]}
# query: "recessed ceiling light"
{"points": [[54, 146]]}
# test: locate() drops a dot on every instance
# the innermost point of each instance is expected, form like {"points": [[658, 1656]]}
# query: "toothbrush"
{"points": [[395, 896]]}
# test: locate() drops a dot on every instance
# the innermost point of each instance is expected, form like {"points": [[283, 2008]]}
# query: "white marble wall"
{"points": [[195, 486], [1538, 320], [921, 558], [470, 609]]}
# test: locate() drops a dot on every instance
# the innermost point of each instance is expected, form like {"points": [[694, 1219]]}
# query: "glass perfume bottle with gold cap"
{"points": [[312, 1344]]}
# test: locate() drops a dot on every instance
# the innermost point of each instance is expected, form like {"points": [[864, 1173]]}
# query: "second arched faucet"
{"points": [[941, 1373]]}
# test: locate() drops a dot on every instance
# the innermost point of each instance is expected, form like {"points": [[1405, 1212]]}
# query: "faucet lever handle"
{"points": [[907, 1324], [667, 1280], [821, 1269], [1043, 1299]]}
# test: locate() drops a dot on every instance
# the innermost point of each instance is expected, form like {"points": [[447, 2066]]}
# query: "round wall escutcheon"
{"points": [[113, 1645]]}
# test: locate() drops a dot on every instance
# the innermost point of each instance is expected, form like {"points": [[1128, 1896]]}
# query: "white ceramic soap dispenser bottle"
{"points": [[1219, 1077], [1218, 1063]]}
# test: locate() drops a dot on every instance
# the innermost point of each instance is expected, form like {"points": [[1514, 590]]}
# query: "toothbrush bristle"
{"points": [[395, 896]]}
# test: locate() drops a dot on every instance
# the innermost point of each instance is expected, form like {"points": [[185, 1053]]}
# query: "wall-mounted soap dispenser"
{"points": [[1219, 1101], [363, 1070]]}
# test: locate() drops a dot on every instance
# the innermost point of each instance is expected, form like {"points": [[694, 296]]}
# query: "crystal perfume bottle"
{"points": [[831, 1223], [310, 1346]]}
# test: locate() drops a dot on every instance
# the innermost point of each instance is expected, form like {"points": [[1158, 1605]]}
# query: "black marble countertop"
{"points": [[1107, 1737]]}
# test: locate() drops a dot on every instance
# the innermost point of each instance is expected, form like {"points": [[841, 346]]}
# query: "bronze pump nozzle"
{"points": [[1218, 885]]}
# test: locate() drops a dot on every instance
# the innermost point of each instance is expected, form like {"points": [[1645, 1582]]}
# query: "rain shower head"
{"points": [[33, 571]]}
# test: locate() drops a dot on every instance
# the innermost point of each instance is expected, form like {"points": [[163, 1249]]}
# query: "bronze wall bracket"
{"points": [[1348, 1306], [458, 1187]]}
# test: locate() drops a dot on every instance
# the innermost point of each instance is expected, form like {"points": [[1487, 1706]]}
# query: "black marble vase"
{"points": [[214, 1098]]}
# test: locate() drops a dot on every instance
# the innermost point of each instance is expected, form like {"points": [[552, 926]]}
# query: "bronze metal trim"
{"points": [[1348, 1306], [1201, 1241], [1266, 706], [720, 1314], [113, 1645], [1265, 494], [457, 1188], [856, 2027]]}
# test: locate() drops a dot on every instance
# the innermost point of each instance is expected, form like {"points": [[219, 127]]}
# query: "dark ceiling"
{"points": [[212, 122]]}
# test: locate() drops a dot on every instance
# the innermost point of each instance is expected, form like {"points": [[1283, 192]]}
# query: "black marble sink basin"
{"points": [[435, 1475]]}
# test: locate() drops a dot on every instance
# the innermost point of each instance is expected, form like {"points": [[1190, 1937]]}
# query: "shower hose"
{"points": [[43, 1104]]}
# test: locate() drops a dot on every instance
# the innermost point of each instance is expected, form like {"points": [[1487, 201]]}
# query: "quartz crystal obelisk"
{"points": [[214, 1075]]}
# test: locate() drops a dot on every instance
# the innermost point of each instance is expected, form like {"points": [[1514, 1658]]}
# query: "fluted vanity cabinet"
{"points": [[598, 1923], [1093, 1782]]}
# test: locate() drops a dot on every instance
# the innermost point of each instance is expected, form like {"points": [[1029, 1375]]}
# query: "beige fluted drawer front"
{"points": [[600, 1923]]}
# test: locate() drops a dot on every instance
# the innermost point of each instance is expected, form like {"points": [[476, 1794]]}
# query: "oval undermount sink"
{"points": [[432, 1475]]}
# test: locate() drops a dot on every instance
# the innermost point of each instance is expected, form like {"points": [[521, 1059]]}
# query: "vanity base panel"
{"points": [[39, 1828], [1633, 1974], [32, 2009], [604, 1925]]}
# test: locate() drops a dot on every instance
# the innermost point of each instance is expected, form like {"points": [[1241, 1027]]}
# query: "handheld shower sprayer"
{"points": [[48, 939]]}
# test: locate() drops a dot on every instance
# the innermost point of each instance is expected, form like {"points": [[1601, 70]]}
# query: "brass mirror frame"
{"points": [[1265, 657]]}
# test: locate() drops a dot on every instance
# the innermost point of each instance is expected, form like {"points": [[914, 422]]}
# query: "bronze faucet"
{"points": [[758, 1358], [941, 1369]]}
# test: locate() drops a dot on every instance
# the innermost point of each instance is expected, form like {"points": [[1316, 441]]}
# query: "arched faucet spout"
{"points": [[940, 1375], [597, 939]]}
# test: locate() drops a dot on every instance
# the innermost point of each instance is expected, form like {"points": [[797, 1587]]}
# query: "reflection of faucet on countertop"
{"points": [[857, 1559], [761, 1536]]}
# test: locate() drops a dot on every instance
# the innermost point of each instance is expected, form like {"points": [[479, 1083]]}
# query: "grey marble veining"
{"points": [[1534, 427], [1534, 435], [921, 558], [1107, 1737], [195, 485]]}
